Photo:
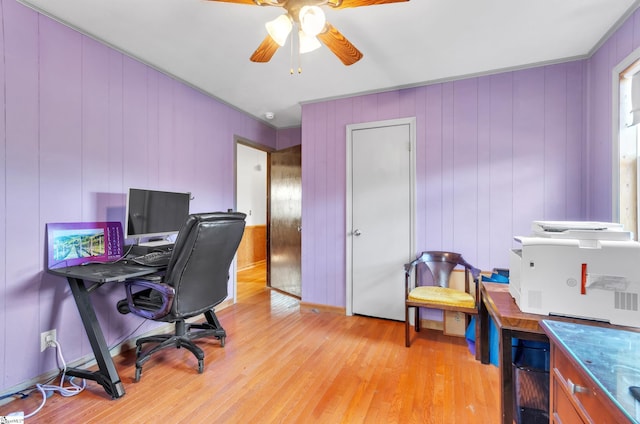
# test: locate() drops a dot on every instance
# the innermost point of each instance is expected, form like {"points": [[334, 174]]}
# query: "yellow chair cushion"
{"points": [[442, 296]]}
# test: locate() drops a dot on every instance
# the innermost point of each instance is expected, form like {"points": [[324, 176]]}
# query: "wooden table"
{"points": [[511, 322]]}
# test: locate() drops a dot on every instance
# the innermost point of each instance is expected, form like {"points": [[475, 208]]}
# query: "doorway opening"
{"points": [[269, 191], [252, 199]]}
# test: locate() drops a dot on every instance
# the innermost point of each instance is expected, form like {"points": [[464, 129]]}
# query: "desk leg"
{"points": [[107, 376], [484, 318], [506, 376]]}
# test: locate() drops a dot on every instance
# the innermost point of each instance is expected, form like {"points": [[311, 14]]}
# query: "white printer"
{"points": [[578, 269]]}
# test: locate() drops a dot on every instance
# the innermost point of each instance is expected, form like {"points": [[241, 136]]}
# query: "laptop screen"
{"points": [[76, 243]]}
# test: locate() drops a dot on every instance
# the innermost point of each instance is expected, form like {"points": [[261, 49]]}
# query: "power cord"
{"points": [[68, 391], [65, 391]]}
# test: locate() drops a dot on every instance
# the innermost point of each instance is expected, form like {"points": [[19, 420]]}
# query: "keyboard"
{"points": [[157, 259]]}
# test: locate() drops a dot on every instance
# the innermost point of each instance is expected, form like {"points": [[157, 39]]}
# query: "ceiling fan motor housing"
{"points": [[311, 20]]}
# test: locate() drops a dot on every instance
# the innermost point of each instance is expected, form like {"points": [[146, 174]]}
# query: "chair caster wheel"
{"points": [[138, 374], [200, 366]]}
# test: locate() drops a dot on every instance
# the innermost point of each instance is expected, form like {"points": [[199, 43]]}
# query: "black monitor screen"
{"points": [[152, 213]]}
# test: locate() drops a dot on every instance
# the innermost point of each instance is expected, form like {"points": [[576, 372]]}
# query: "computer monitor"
{"points": [[155, 215]]}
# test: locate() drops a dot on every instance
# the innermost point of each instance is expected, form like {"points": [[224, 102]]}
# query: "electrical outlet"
{"points": [[46, 339]]}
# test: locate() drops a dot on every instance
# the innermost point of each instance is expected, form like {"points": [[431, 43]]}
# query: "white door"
{"points": [[380, 217]]}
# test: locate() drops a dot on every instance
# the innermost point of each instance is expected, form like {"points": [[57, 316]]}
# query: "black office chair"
{"points": [[195, 281]]}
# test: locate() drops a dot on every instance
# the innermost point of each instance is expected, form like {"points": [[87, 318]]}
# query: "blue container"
{"points": [[499, 276]]}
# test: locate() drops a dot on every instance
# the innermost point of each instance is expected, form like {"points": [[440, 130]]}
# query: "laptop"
{"points": [[90, 251], [78, 243]]}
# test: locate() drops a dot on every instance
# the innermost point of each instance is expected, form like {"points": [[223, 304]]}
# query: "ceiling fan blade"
{"points": [[265, 50], [343, 4], [237, 1], [339, 45], [254, 2]]}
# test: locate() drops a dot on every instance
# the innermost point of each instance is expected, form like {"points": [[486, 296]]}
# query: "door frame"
{"points": [[349, 200], [248, 143]]}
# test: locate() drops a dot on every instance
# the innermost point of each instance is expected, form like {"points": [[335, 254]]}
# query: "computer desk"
{"points": [[83, 279]]}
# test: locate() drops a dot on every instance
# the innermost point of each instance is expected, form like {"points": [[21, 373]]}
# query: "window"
{"points": [[628, 147], [626, 143]]}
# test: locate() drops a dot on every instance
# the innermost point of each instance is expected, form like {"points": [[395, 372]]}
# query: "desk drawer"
{"points": [[564, 411], [575, 398]]}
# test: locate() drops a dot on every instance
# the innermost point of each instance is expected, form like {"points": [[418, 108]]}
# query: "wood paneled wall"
{"points": [[82, 122], [79, 124], [253, 247], [493, 154]]}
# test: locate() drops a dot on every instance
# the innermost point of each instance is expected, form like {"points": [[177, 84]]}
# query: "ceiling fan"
{"points": [[312, 25]]}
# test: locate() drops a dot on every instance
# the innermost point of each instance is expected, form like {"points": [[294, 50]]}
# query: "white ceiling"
{"points": [[207, 44]]}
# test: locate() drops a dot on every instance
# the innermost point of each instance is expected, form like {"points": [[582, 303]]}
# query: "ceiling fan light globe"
{"points": [[307, 42], [312, 20], [279, 29]]}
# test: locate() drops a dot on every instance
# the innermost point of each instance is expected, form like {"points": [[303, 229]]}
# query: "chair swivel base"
{"points": [[165, 341]]}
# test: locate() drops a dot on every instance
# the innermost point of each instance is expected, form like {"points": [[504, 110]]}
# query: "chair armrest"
{"points": [[410, 266], [167, 293], [408, 269], [475, 272]]}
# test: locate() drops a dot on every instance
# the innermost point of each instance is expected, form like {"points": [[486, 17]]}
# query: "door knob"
{"points": [[356, 232]]}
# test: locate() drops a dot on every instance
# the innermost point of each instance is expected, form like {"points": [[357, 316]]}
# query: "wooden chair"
{"points": [[438, 295]]}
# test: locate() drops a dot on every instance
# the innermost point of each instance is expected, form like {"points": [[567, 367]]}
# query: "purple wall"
{"points": [[289, 137], [493, 154], [80, 124], [516, 146], [83, 122]]}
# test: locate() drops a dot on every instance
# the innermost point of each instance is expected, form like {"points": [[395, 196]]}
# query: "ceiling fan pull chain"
{"points": [[291, 58]]}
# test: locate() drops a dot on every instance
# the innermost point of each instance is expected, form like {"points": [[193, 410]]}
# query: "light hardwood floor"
{"points": [[286, 364]]}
